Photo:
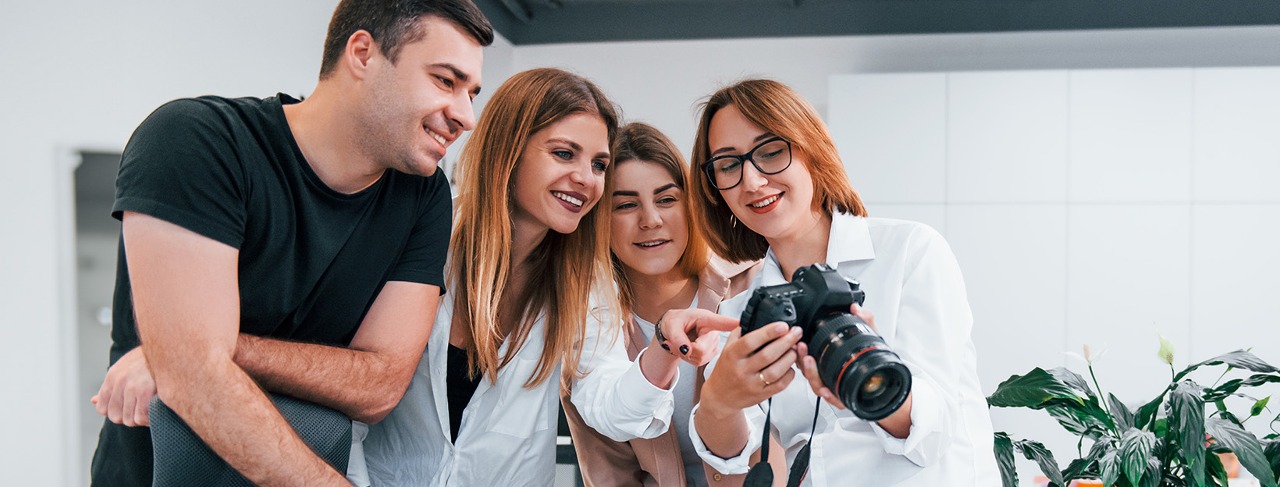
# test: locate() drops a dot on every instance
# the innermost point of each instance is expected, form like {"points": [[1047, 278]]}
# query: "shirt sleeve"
{"points": [[735, 465], [934, 325], [423, 259], [613, 396], [180, 166]]}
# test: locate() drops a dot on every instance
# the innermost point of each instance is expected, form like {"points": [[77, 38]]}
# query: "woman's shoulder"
{"points": [[728, 279], [905, 233]]}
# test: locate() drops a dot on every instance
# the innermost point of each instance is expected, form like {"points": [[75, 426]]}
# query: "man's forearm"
{"points": [[226, 409], [363, 385]]}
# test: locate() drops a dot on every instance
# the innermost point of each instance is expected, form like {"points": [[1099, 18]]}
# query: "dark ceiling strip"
{"points": [[517, 10], [587, 21]]}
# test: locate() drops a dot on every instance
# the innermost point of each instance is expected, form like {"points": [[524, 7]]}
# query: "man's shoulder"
{"points": [[212, 108]]}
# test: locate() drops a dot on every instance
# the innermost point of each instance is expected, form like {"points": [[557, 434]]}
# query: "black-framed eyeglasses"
{"points": [[769, 157]]}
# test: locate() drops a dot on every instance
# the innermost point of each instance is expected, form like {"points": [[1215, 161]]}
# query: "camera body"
{"points": [[853, 361]]}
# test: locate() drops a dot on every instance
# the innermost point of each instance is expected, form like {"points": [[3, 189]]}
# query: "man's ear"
{"points": [[359, 53]]}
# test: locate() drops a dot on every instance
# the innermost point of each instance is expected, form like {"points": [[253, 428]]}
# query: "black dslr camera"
{"points": [[853, 361]]}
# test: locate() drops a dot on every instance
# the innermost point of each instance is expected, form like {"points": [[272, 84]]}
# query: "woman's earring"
{"points": [[733, 221]]}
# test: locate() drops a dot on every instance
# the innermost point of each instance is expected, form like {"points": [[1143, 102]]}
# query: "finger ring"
{"points": [[762, 379]]}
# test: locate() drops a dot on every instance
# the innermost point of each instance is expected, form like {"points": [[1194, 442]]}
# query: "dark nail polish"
{"points": [[684, 349], [665, 347]]}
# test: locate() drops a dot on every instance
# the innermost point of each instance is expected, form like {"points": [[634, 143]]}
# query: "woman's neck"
{"points": [[662, 292], [803, 248], [525, 236]]}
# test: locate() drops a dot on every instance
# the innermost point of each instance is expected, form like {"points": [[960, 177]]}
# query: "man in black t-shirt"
{"points": [[292, 246]]}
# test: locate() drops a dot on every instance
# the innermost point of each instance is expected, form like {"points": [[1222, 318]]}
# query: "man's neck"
{"points": [[323, 127]]}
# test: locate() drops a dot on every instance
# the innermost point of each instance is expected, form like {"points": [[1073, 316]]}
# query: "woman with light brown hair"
{"points": [[528, 251], [773, 187], [660, 262]]}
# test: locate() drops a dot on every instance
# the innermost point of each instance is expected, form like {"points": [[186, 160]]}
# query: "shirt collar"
{"points": [[849, 241]]}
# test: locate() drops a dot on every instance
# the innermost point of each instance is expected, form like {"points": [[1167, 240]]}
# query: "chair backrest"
{"points": [[183, 459]]}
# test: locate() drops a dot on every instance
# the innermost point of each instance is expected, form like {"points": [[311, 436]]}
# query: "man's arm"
{"points": [[186, 299], [364, 381]]}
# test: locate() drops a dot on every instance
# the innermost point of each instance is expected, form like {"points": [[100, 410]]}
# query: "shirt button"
{"points": [[716, 477]]}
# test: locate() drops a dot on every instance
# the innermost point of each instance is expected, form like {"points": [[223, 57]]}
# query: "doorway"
{"points": [[96, 243]]}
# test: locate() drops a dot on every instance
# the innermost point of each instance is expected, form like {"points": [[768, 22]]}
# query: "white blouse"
{"points": [[508, 432], [917, 295]]}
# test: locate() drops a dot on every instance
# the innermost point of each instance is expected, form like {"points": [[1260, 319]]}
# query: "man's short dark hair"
{"points": [[394, 23]]}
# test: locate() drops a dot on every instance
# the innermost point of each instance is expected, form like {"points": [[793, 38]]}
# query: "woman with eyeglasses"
{"points": [[526, 315], [773, 187], [659, 263]]}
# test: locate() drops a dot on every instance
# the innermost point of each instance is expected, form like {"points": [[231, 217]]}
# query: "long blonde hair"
{"points": [[782, 112], [563, 268]]}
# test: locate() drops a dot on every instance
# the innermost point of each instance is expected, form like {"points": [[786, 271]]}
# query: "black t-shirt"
{"points": [[311, 260]]}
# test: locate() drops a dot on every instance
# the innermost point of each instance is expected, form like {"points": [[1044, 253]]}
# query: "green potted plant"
{"points": [[1172, 440]]}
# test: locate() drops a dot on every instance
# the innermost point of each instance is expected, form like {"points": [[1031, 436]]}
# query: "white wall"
{"points": [[1106, 207], [82, 74]]}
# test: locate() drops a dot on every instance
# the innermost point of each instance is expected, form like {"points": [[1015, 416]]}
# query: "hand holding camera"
{"points": [[840, 348]]}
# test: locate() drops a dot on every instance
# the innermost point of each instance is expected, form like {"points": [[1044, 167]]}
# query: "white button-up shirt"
{"points": [[508, 432], [914, 288]]}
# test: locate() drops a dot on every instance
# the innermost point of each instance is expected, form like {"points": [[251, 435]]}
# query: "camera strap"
{"points": [[761, 474]]}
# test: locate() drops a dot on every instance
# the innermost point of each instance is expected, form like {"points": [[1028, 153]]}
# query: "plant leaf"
{"points": [[1256, 380], [1109, 466], [1153, 476], [1186, 426], [1246, 447], [1005, 460], [1231, 386], [1216, 473], [1087, 467], [1087, 420], [1259, 407], [1223, 390], [1240, 359], [1034, 450], [1147, 411], [1135, 448], [1070, 378], [1035, 390], [1124, 417], [1272, 452], [1224, 414]]}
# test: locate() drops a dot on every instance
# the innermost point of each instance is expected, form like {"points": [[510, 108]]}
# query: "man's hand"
{"points": [[127, 391]]}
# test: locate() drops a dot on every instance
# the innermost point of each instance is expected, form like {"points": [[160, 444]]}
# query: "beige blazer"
{"points": [[657, 461]]}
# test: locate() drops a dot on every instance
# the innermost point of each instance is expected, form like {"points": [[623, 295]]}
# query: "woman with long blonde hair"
{"points": [[528, 250]]}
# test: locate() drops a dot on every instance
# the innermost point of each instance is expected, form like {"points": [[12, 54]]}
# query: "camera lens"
{"points": [[858, 366]]}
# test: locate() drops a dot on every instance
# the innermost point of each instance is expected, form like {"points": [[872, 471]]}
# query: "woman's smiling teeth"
{"points": [[567, 198], [765, 202], [651, 243]]}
